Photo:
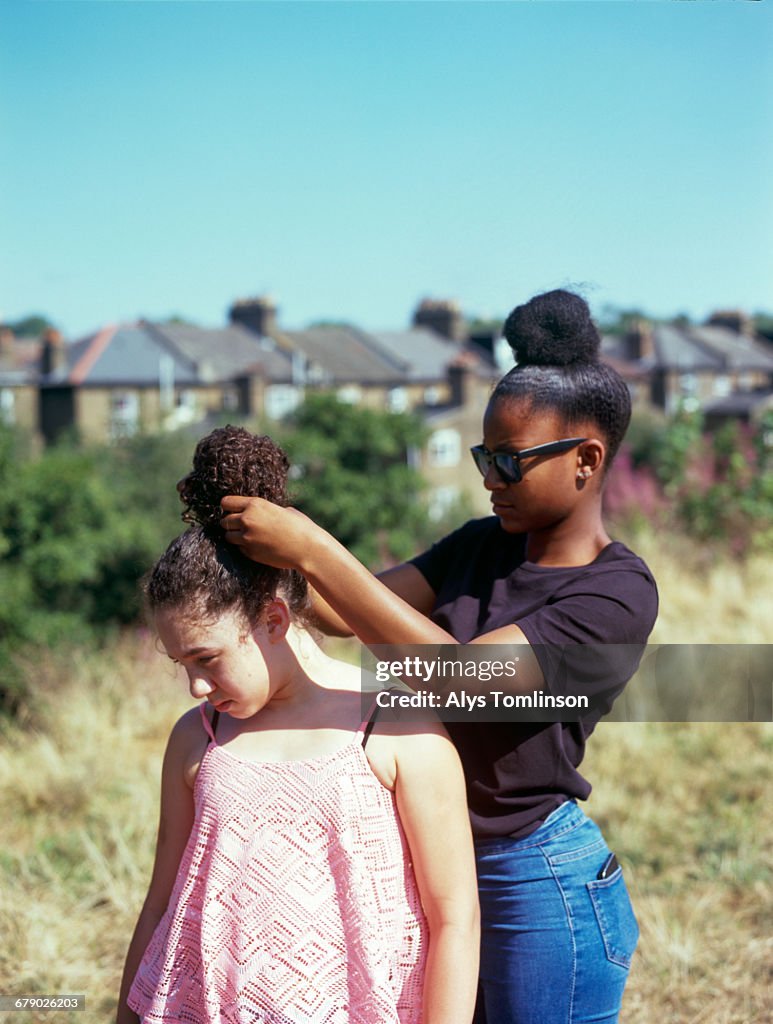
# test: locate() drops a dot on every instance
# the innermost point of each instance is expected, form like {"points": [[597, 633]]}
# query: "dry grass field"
{"points": [[687, 808]]}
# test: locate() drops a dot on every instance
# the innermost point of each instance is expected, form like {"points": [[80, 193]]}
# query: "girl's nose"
{"points": [[492, 481], [199, 686]]}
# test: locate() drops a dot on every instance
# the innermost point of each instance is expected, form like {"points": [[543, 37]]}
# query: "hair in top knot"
{"points": [[231, 460], [553, 329], [200, 571], [557, 347]]}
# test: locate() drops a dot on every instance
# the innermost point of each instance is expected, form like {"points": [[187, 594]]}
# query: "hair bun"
{"points": [[553, 329], [231, 460]]}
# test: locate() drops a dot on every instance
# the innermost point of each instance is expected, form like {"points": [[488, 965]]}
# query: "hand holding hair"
{"points": [[266, 532]]}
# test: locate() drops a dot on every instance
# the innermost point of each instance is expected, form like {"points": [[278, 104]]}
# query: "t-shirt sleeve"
{"points": [[435, 563], [590, 636]]}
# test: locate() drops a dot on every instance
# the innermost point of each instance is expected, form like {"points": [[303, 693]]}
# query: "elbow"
{"points": [[462, 919]]}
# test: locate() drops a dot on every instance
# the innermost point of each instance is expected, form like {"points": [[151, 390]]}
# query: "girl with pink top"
{"points": [[314, 865]]}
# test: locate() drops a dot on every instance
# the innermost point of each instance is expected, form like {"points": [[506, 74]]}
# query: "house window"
{"points": [[7, 406], [503, 355], [441, 501], [314, 374], [721, 386], [280, 400], [124, 413], [350, 393], [445, 448], [299, 368], [185, 406], [230, 399], [166, 381], [688, 384], [397, 400]]}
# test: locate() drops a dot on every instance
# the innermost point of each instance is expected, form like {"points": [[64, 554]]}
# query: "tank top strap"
{"points": [[205, 721], [366, 725]]}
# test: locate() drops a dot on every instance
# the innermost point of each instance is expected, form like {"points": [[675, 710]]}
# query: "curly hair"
{"points": [[200, 570], [203, 573], [231, 460], [556, 345]]}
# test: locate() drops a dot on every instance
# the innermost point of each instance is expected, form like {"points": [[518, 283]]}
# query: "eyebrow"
{"points": [[193, 651]]}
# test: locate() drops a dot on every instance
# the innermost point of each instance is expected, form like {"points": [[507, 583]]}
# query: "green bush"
{"points": [[350, 475], [80, 525], [719, 485], [78, 528]]}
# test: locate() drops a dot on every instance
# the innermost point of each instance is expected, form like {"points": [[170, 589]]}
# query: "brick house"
{"points": [[430, 369], [19, 372], [698, 365], [139, 377]]}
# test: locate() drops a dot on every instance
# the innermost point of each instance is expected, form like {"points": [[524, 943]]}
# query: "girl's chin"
{"points": [[508, 520]]}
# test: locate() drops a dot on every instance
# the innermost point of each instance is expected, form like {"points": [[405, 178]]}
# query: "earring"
{"points": [[583, 473]]}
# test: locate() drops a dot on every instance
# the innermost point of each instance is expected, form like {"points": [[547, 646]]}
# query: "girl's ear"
{"points": [[276, 618], [590, 459]]}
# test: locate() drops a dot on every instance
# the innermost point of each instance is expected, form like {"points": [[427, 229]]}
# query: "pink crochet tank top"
{"points": [[295, 901]]}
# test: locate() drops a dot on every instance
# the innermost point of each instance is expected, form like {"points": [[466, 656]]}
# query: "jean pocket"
{"points": [[615, 916]]}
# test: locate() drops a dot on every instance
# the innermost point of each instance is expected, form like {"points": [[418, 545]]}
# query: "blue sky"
{"points": [[351, 158]]}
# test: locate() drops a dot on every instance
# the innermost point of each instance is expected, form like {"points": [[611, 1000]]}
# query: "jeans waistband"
{"points": [[564, 818]]}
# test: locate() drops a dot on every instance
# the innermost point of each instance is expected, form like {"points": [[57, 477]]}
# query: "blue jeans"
{"points": [[556, 942]]}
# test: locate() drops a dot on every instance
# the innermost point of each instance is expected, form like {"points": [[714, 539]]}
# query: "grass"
{"points": [[686, 807], [706, 598], [79, 786]]}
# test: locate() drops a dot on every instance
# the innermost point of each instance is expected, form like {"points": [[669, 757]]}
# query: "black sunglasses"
{"points": [[508, 464]]}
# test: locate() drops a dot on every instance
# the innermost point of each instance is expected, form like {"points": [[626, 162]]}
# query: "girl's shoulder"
{"points": [[188, 742], [405, 743]]}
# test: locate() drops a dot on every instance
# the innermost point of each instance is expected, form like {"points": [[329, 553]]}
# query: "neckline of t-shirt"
{"points": [[600, 557]]}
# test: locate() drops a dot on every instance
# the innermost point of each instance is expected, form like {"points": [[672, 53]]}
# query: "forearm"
{"points": [[373, 613], [451, 978], [146, 925], [323, 618]]}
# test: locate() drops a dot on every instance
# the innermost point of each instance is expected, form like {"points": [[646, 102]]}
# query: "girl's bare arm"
{"points": [[404, 580], [432, 805], [176, 821]]}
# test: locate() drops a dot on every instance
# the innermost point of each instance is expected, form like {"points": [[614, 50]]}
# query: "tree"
{"points": [[763, 324], [614, 320], [31, 326], [330, 323], [176, 320], [350, 474], [681, 320], [79, 526], [486, 325]]}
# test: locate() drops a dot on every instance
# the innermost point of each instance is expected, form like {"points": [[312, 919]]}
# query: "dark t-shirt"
{"points": [[518, 773]]}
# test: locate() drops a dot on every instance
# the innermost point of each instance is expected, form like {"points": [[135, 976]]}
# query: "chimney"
{"points": [[734, 320], [459, 381], [442, 316], [7, 340], [258, 314], [486, 340], [638, 341], [52, 353]]}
